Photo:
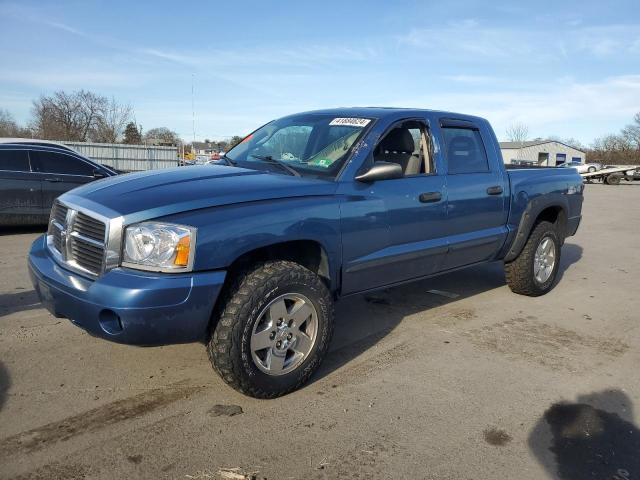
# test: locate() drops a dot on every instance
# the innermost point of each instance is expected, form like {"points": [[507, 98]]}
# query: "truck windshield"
{"points": [[314, 145]]}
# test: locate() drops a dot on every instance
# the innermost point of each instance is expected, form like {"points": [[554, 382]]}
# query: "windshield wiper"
{"points": [[229, 161], [280, 163]]}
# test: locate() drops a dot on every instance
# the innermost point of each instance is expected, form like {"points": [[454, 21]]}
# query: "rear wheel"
{"points": [[273, 331], [534, 270], [592, 169], [613, 179]]}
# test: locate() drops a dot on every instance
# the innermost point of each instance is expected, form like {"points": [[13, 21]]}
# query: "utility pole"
{"points": [[193, 107]]}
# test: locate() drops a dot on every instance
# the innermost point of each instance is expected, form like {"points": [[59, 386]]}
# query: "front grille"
{"points": [[77, 239], [59, 213], [89, 227], [86, 255]]}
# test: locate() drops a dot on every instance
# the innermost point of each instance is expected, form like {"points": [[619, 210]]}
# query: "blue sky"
{"points": [[563, 68]]}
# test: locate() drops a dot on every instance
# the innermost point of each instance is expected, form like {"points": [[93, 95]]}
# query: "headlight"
{"points": [[159, 246]]}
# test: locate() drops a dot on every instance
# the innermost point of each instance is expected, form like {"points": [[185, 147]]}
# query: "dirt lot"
{"points": [[418, 385]]}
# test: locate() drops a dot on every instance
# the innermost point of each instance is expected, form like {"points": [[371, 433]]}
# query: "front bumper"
{"points": [[572, 225], [127, 306]]}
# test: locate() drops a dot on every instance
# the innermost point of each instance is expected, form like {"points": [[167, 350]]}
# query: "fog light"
{"points": [[110, 322]]}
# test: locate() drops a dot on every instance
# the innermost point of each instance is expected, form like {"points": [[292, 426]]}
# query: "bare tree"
{"points": [[517, 132], [162, 135], [632, 132], [9, 127], [68, 116], [614, 149], [112, 121], [621, 149]]}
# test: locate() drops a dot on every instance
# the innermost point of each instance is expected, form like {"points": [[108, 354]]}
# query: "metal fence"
{"points": [[129, 158]]}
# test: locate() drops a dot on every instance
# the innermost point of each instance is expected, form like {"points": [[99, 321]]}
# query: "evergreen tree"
{"points": [[132, 134]]}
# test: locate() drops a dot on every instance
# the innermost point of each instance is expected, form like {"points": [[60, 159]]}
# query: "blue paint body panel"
{"points": [[372, 234], [153, 309]]}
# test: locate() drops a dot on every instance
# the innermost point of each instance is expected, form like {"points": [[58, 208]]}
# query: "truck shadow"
{"points": [[364, 320], [22, 229], [571, 253], [5, 383], [593, 437], [18, 302]]}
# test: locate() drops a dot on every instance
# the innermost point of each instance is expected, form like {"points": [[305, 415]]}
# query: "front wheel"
{"points": [[592, 169], [534, 270], [273, 330]]}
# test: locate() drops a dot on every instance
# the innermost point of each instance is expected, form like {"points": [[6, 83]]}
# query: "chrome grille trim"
{"points": [[77, 241], [59, 213]]}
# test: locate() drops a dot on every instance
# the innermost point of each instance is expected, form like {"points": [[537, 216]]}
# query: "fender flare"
{"points": [[529, 216]]}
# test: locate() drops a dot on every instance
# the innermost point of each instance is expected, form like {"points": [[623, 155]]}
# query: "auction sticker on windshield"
{"points": [[350, 122]]}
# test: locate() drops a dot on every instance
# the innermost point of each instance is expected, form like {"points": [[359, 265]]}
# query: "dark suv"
{"points": [[33, 175]]}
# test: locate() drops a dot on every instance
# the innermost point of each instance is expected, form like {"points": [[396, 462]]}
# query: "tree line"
{"points": [[84, 116], [621, 148]]}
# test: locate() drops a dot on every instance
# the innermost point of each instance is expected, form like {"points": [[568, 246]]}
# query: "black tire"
{"points": [[614, 179], [229, 346], [520, 272], [591, 169]]}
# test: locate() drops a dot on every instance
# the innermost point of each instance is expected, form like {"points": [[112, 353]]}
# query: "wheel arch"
{"points": [[311, 254], [539, 209]]}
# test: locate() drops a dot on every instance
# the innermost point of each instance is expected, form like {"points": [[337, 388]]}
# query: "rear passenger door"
{"points": [[477, 205], [20, 195], [59, 173]]}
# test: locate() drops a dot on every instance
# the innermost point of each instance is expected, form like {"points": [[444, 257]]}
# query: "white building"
{"points": [[540, 152]]}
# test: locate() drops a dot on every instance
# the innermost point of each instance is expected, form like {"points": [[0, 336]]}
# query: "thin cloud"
{"points": [[554, 108], [63, 27], [471, 40]]}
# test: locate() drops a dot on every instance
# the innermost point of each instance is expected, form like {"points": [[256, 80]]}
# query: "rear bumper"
{"points": [[127, 306]]}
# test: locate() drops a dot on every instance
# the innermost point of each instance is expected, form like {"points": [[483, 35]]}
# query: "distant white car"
{"points": [[587, 167], [583, 167]]}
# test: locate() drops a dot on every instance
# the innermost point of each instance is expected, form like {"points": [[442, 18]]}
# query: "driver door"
{"points": [[394, 230]]}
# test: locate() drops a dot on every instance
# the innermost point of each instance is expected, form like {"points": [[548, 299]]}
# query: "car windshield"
{"points": [[315, 145]]}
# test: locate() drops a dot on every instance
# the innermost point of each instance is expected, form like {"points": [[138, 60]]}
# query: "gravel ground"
{"points": [[478, 383]]}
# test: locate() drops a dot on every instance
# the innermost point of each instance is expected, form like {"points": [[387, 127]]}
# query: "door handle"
{"points": [[497, 190], [52, 179], [430, 197]]}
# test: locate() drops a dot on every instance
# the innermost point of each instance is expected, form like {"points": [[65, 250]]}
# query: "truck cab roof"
{"points": [[388, 113]]}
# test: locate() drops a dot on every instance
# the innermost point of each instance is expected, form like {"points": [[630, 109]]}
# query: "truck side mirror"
{"points": [[381, 171]]}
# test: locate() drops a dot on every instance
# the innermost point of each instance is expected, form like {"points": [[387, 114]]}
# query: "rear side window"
{"points": [[59, 163], [14, 160], [464, 150]]}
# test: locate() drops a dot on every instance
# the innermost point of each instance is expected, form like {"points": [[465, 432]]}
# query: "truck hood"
{"points": [[157, 193]]}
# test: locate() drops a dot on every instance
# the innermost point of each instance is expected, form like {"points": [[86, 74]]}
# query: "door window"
{"points": [[59, 163], [408, 145], [14, 160], [465, 151]]}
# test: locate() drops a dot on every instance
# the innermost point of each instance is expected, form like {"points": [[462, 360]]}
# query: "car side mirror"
{"points": [[381, 171], [98, 174]]}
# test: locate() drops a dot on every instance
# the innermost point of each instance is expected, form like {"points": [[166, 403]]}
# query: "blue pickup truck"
{"points": [[249, 255]]}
